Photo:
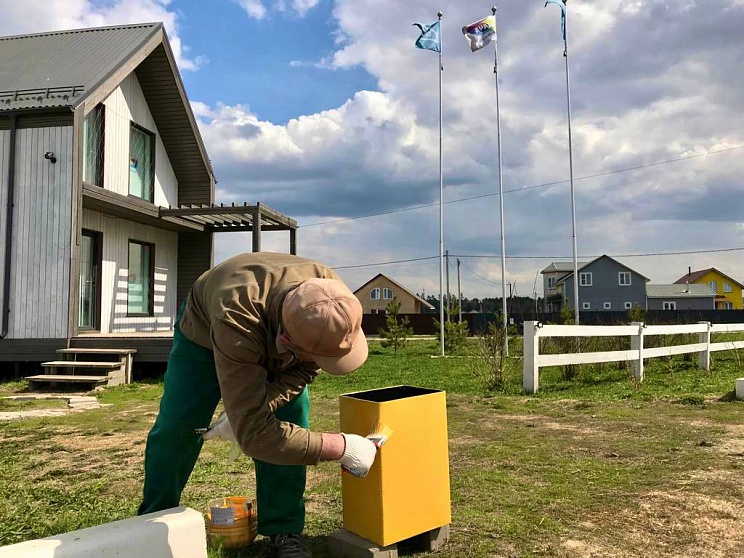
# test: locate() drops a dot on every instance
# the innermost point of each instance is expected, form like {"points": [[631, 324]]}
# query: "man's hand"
{"points": [[221, 429], [359, 455]]}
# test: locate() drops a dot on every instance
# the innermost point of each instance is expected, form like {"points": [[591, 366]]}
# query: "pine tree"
{"points": [[395, 334]]}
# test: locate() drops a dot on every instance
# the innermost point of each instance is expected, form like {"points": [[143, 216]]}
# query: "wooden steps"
{"points": [[79, 364], [65, 378], [112, 372]]}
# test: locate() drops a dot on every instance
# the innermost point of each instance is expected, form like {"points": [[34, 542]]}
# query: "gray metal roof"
{"points": [[561, 266], [59, 69], [679, 291], [68, 68]]}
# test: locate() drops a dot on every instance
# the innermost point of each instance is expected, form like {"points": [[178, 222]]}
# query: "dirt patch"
{"points": [[663, 525]]}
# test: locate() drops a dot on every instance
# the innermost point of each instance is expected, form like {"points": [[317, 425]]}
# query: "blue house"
{"points": [[605, 284]]}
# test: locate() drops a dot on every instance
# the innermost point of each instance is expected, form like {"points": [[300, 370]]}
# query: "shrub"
{"points": [[455, 333], [395, 333], [489, 362]]}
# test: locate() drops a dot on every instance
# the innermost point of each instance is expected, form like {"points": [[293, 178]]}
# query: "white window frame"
{"points": [[387, 294], [608, 306], [620, 277], [728, 305], [551, 282], [628, 305], [727, 288], [586, 305], [374, 294], [669, 305], [585, 279], [713, 286]]}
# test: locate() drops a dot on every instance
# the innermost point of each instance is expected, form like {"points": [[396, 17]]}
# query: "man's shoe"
{"points": [[289, 545]]}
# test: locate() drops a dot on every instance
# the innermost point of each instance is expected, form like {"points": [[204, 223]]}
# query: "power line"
{"points": [[543, 185], [643, 255], [680, 253], [480, 276], [387, 263]]}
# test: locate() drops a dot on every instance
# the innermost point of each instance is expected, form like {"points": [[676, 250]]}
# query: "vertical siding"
{"points": [[124, 105], [114, 277], [4, 159], [41, 234], [194, 258]]}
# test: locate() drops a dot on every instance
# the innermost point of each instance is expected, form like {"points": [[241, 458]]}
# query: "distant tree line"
{"points": [[515, 304]]}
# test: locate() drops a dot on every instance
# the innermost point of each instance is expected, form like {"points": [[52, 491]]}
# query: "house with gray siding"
{"points": [[552, 290], [680, 297], [107, 211], [605, 284]]}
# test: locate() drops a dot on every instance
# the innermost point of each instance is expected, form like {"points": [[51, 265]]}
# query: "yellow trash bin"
{"points": [[407, 491]]}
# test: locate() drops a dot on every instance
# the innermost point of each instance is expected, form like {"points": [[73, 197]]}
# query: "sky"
{"points": [[325, 111]]}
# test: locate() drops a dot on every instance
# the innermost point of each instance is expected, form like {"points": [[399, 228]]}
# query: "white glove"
{"points": [[359, 455], [221, 429]]}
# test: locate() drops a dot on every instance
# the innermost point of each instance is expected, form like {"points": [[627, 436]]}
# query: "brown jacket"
{"points": [[235, 310]]}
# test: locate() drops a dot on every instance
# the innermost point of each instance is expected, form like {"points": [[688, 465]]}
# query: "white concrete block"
{"points": [[740, 388], [174, 533]]}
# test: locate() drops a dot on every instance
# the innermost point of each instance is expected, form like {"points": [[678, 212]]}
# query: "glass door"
{"points": [[89, 295]]}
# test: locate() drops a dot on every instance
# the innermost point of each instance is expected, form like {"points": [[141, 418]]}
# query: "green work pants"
{"points": [[189, 400]]}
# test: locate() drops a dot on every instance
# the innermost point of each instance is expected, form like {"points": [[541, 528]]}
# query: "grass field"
{"points": [[596, 466]]}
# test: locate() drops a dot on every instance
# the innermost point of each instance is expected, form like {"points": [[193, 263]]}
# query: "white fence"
{"points": [[534, 331]]}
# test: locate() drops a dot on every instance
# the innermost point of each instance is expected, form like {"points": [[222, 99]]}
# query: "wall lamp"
{"points": [[49, 156]]}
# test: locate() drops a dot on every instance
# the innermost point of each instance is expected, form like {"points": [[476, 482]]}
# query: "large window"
{"points": [[713, 286], [93, 141], [623, 278], [585, 279], [141, 162], [671, 305], [551, 282], [387, 294], [141, 279], [374, 294]]}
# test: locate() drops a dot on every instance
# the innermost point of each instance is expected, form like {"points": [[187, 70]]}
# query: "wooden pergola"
{"points": [[237, 218]]}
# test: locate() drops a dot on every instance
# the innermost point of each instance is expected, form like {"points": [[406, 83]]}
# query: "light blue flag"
{"points": [[562, 4], [430, 38]]}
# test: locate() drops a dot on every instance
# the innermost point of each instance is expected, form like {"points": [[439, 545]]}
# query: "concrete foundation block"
{"points": [[174, 533], [740, 388], [345, 544], [432, 540]]}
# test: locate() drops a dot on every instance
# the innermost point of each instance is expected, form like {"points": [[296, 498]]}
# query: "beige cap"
{"points": [[324, 319]]}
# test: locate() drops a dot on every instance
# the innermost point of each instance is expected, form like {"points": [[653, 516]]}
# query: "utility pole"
{"points": [[459, 292], [446, 259]]}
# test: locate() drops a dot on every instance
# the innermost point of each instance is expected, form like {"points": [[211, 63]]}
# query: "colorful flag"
{"points": [[480, 33], [429, 39], [562, 4]]}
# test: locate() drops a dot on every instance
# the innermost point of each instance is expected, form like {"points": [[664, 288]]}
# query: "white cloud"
{"points": [[258, 9], [254, 8], [38, 16], [638, 98]]}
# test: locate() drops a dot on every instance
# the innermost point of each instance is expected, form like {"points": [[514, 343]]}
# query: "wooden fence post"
{"points": [[704, 356], [636, 344], [531, 350]]}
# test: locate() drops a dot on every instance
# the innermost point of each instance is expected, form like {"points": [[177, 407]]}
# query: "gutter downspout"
{"points": [[9, 228]]}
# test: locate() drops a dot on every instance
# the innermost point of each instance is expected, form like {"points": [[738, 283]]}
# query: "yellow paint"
{"points": [[734, 297], [407, 491]]}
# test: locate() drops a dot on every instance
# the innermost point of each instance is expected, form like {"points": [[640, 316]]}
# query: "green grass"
{"points": [[600, 465]]}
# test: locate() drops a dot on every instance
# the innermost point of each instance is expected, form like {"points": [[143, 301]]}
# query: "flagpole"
{"points": [[570, 169], [501, 189], [441, 195]]}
